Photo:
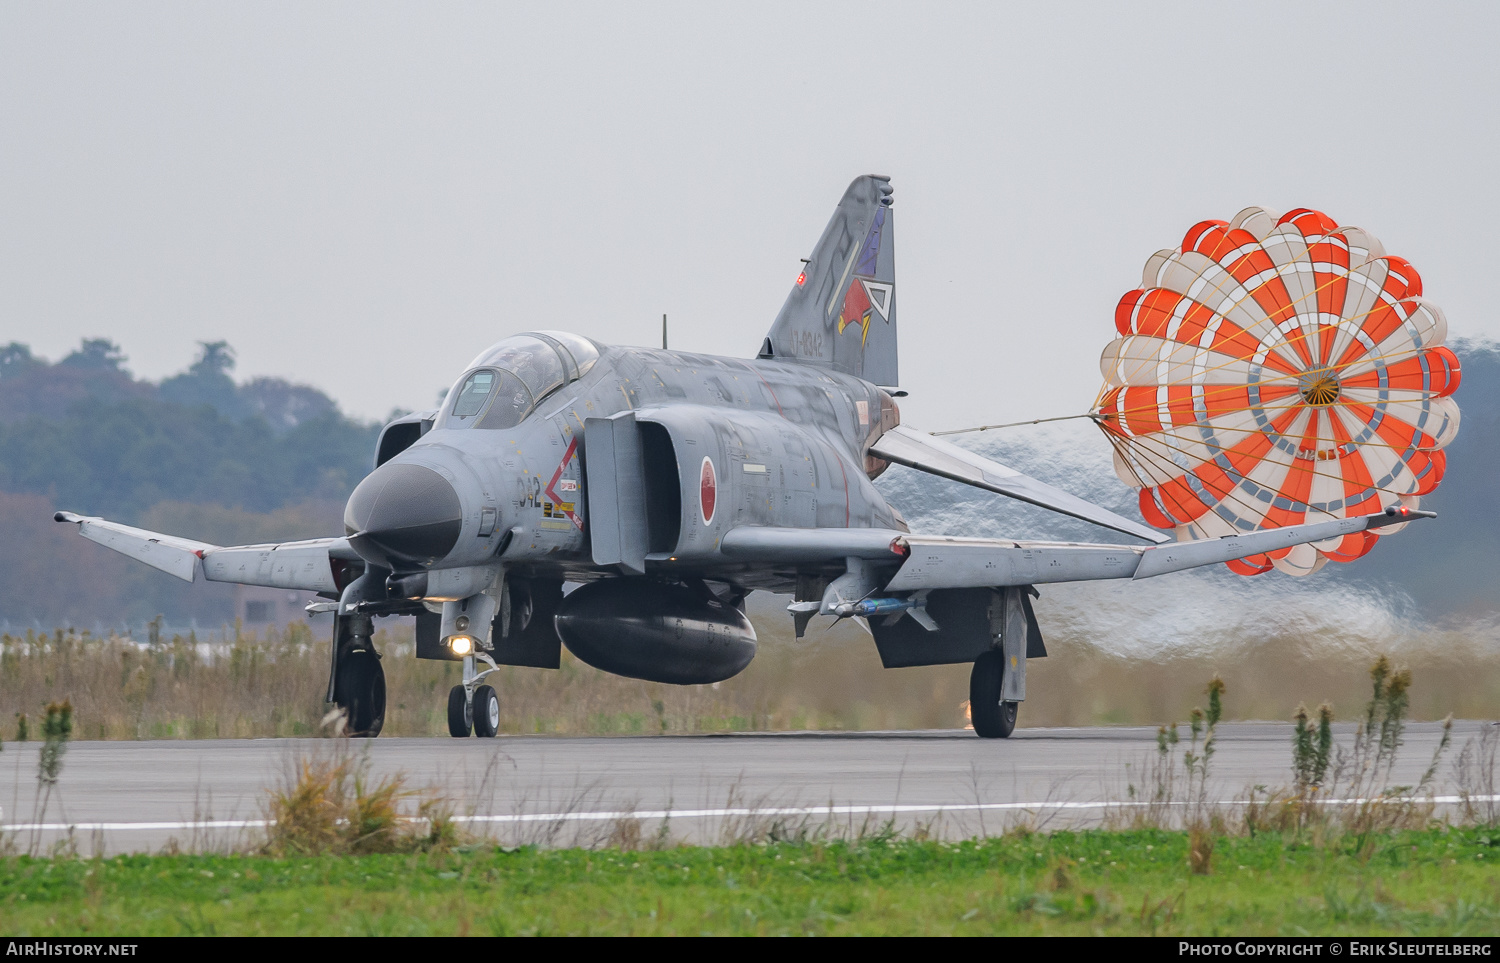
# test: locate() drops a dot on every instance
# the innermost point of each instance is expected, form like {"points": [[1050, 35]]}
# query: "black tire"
{"points": [[458, 713], [486, 712], [992, 718], [360, 692]]}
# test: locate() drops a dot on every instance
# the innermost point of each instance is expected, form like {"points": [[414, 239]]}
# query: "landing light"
{"points": [[461, 644]]}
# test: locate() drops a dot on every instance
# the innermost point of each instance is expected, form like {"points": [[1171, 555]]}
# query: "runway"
{"points": [[551, 790]]}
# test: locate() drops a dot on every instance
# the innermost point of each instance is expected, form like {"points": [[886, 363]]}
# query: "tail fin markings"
{"points": [[848, 283]]}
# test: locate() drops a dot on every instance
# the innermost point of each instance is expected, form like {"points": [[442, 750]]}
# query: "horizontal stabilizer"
{"points": [[919, 450]]}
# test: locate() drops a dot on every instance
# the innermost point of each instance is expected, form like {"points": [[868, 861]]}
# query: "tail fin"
{"points": [[842, 311]]}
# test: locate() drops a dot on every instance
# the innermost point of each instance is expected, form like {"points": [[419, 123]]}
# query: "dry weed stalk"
{"points": [[1363, 773], [1200, 849], [57, 729], [1474, 772], [1173, 797], [328, 803], [1337, 789]]}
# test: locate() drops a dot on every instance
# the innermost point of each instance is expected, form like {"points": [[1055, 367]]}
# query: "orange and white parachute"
{"points": [[1272, 371]]}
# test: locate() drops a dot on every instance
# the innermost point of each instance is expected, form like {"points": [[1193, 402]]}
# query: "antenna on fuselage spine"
{"points": [[664, 332]]}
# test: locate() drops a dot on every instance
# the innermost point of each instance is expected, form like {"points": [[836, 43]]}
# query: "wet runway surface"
{"points": [[130, 796]]}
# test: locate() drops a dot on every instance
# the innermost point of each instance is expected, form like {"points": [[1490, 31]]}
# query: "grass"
{"points": [[330, 804], [1433, 882], [347, 854], [245, 684]]}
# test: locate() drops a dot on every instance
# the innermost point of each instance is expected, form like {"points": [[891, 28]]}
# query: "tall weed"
{"points": [[1474, 772], [328, 803]]}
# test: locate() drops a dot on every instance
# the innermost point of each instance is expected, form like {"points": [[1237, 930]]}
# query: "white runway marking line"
{"points": [[610, 815]]}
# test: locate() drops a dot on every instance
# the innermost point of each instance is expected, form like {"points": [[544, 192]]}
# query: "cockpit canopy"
{"points": [[507, 381]]}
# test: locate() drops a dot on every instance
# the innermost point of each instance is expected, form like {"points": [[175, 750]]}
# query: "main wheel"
{"points": [[486, 711], [459, 718], [360, 691], [992, 718]]}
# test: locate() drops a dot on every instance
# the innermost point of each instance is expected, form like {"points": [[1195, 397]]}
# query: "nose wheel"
{"points": [[473, 707], [486, 711], [460, 713]]}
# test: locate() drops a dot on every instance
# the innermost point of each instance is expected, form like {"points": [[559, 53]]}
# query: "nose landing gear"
{"points": [[474, 706]]}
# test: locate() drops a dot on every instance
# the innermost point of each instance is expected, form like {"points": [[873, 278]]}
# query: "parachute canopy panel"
{"points": [[1273, 371]]}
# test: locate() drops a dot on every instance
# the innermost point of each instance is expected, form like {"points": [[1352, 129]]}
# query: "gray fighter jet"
{"points": [[668, 485]]}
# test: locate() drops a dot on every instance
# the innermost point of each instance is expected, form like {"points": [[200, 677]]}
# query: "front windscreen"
{"points": [[489, 399], [474, 393]]}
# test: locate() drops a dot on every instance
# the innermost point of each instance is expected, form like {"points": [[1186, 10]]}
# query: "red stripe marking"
{"points": [[552, 485]]}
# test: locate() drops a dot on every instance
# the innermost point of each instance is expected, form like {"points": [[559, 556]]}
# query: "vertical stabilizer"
{"points": [[842, 311]]}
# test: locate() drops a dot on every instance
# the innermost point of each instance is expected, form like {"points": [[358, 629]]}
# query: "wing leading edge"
{"points": [[919, 450], [924, 562], [304, 565]]}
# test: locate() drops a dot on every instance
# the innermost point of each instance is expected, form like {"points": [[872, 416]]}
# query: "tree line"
{"points": [[197, 454], [96, 440]]}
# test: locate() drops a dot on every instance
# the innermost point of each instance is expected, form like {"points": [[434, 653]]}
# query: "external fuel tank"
{"points": [[657, 631]]}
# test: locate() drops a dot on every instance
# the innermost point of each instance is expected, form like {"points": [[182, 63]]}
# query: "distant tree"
{"points": [[30, 387], [214, 358], [96, 354], [207, 381], [120, 457], [16, 359], [284, 405]]}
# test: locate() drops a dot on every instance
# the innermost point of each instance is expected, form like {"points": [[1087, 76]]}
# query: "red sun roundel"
{"points": [[708, 490]]}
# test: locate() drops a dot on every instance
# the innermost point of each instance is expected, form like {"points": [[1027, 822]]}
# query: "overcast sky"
{"points": [[363, 196]]}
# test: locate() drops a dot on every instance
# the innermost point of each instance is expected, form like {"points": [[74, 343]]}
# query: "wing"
{"points": [[919, 450], [913, 563], [312, 565]]}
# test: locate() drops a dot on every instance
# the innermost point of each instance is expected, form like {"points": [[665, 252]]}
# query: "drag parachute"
{"points": [[1273, 371]]}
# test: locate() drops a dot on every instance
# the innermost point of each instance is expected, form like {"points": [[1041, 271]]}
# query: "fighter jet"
{"points": [[665, 486]]}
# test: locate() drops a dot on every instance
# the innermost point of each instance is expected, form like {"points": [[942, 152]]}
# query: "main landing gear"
{"points": [[992, 718], [474, 706]]}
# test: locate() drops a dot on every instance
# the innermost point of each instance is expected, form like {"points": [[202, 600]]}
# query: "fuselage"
{"points": [[729, 443]]}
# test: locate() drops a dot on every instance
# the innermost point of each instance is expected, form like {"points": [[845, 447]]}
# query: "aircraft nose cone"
{"points": [[403, 514]]}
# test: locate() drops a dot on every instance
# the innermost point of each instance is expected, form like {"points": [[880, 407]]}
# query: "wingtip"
{"points": [[1396, 515], [65, 517]]}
